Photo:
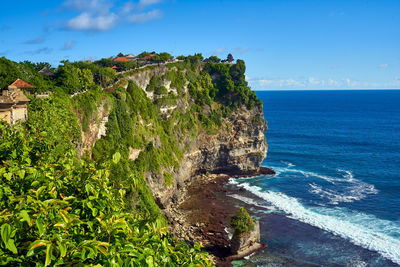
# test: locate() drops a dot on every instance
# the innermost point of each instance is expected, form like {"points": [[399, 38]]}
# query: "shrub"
{"points": [[60, 210], [242, 222]]}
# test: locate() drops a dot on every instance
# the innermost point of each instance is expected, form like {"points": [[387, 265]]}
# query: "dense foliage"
{"points": [[242, 222], [59, 210], [10, 71]]}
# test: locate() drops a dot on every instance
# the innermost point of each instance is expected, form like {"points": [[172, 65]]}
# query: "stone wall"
{"points": [[6, 116]]}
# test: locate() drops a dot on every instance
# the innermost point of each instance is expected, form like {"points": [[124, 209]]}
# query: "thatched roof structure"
{"points": [[46, 72]]}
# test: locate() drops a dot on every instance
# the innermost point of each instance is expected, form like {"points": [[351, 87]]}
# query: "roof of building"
{"points": [[22, 84], [46, 72], [130, 56], [121, 59], [148, 56], [13, 95], [114, 67]]}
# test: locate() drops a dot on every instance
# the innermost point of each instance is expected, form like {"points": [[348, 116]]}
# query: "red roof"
{"points": [[22, 84], [148, 57], [121, 59], [114, 67]]}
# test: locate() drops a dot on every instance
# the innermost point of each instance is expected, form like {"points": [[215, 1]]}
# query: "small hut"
{"points": [[46, 72], [130, 57], [13, 102]]}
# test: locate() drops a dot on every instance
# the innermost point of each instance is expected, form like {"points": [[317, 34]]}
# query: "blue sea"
{"points": [[335, 198]]}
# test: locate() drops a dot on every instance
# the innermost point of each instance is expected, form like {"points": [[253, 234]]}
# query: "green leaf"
{"points": [[11, 246], [63, 249], [21, 174], [8, 176], [40, 227], [65, 216], [116, 157], [5, 233], [149, 261], [49, 250], [25, 217]]}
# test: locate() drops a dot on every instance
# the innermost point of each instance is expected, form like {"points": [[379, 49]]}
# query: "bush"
{"points": [[60, 210], [242, 222]]}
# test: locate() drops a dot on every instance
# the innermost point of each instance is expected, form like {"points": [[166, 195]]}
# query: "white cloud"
{"points": [[240, 50], [101, 15], [313, 81], [37, 40], [68, 45], [219, 51], [351, 83], [383, 66], [264, 82], [145, 17], [92, 6], [333, 83], [87, 21], [261, 83], [127, 8]]}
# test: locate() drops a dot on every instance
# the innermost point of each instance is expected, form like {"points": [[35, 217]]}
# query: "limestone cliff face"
{"points": [[96, 129], [238, 148]]}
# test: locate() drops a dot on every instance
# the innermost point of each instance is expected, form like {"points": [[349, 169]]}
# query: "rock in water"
{"points": [[246, 243]]}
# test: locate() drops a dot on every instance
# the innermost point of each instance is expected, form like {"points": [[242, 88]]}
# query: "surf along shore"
{"points": [[204, 216]]}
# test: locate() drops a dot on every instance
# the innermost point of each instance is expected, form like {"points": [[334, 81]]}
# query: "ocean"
{"points": [[335, 198]]}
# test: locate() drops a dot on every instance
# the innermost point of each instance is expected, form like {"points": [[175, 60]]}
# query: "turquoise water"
{"points": [[335, 200]]}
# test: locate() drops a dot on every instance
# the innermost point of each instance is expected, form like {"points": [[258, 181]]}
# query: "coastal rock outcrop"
{"points": [[245, 243]]}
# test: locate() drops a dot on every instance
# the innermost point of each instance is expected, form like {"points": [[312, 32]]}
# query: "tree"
{"points": [[120, 55], [229, 58], [214, 59], [242, 222], [237, 72]]}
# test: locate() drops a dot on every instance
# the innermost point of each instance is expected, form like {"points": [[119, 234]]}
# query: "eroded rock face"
{"points": [[244, 243], [238, 148], [96, 129]]}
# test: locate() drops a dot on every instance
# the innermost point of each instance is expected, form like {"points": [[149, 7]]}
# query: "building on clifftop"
{"points": [[13, 102]]}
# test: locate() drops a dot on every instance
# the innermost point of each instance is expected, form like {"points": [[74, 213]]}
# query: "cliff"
{"points": [[235, 147], [115, 151], [238, 148]]}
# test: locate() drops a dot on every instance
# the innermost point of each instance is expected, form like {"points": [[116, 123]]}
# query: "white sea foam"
{"points": [[289, 164], [352, 193], [357, 263], [353, 189], [361, 229], [229, 233], [251, 202]]}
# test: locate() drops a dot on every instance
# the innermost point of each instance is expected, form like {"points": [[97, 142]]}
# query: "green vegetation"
{"points": [[55, 121], [242, 222], [10, 71], [61, 208]]}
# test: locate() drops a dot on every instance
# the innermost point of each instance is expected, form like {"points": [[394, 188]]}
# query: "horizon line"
{"points": [[342, 89]]}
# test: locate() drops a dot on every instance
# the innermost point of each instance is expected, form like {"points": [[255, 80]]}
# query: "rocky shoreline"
{"points": [[204, 215]]}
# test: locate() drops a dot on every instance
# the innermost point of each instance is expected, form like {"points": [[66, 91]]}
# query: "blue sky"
{"points": [[286, 44]]}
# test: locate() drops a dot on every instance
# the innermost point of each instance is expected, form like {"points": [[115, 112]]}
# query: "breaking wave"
{"points": [[361, 229]]}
